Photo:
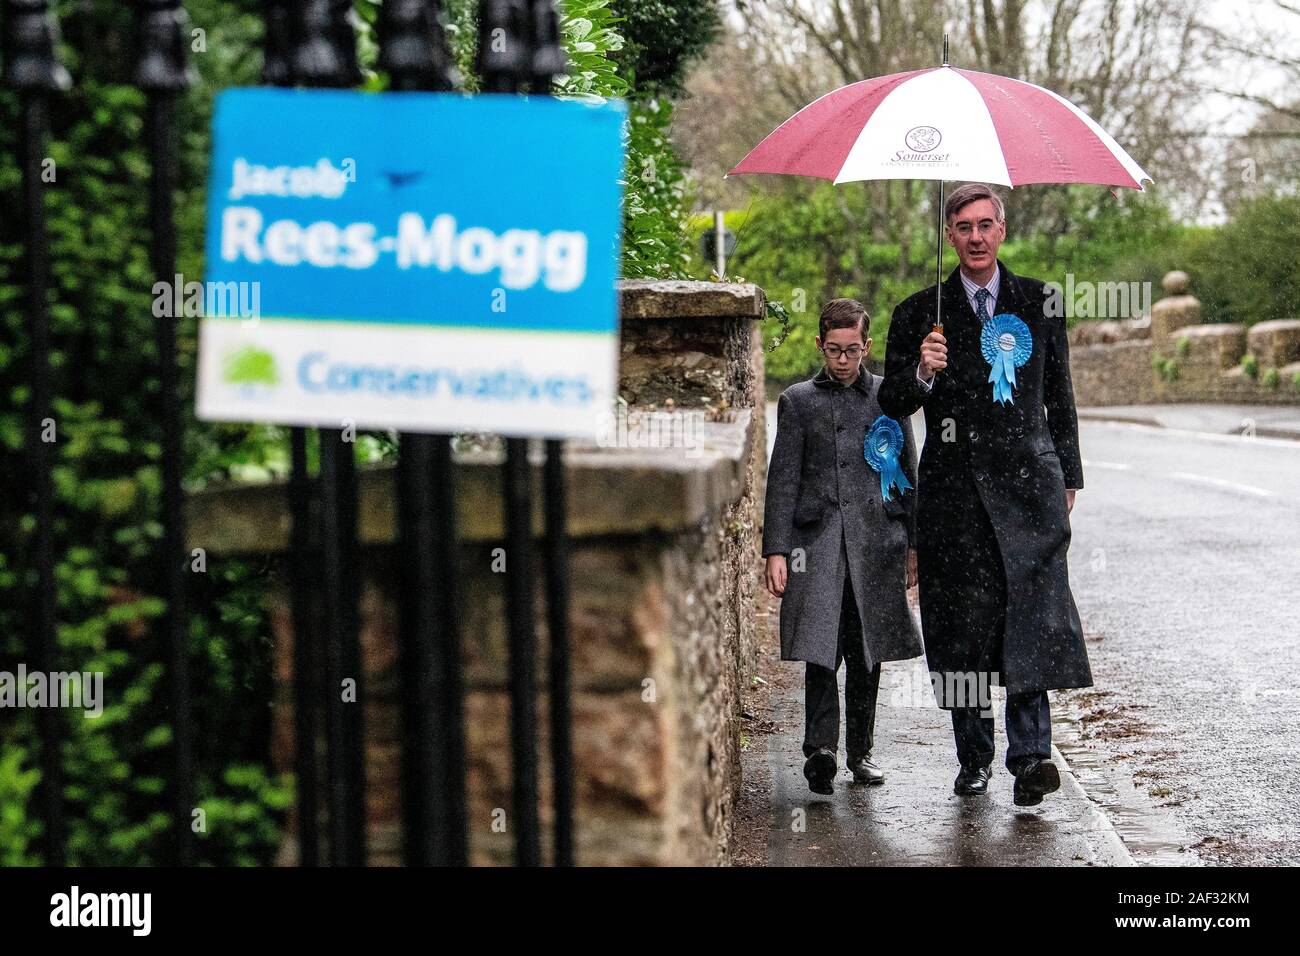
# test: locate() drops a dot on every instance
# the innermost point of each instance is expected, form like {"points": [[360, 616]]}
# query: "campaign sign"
{"points": [[425, 261]]}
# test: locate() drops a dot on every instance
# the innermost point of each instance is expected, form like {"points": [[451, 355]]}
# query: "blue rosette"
{"points": [[1007, 344], [883, 445]]}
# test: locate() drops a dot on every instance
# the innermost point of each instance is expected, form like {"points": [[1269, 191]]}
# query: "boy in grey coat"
{"points": [[838, 536]]}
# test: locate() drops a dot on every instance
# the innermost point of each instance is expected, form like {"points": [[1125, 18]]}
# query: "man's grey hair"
{"points": [[972, 192]]}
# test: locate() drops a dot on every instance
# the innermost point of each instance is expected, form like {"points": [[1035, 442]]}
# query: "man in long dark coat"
{"points": [[837, 547], [997, 482]]}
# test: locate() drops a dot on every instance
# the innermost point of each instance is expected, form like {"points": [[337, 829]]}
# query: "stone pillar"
{"points": [[1275, 344], [1176, 310]]}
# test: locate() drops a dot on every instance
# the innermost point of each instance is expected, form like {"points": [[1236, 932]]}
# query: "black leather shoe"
{"points": [[820, 771], [972, 782], [1033, 780], [865, 771]]}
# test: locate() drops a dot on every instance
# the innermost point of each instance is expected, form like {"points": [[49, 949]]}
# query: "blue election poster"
{"points": [[425, 261]]}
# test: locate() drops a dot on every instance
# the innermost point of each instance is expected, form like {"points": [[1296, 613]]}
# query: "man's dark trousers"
{"points": [[1028, 720], [822, 692], [1029, 732]]}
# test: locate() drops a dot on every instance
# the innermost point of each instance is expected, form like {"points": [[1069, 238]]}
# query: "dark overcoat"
{"points": [[825, 512], [993, 526]]}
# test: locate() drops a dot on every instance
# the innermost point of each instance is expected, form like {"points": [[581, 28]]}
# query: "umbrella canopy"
{"points": [[946, 124]]}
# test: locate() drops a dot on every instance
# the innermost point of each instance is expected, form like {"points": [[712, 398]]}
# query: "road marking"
{"points": [[1221, 483]]}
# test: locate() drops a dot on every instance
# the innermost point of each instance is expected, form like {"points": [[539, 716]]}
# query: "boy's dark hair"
{"points": [[843, 314]]}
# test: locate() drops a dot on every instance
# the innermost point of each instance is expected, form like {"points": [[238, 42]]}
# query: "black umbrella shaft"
{"points": [[938, 263]]}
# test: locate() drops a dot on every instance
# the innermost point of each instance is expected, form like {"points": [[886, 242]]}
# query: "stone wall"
{"points": [[665, 590], [1175, 356], [690, 344], [1116, 374]]}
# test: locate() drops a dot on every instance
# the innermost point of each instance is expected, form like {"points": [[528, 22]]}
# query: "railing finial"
{"points": [[31, 56], [277, 42], [325, 53], [548, 58], [413, 45], [164, 38], [503, 45]]}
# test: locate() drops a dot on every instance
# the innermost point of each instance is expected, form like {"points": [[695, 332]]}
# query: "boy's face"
{"points": [[843, 350]]}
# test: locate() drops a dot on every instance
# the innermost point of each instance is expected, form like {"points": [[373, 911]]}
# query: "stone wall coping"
{"points": [[1103, 347], [1213, 330], [689, 298], [1105, 331], [1178, 301], [1274, 325], [612, 491]]}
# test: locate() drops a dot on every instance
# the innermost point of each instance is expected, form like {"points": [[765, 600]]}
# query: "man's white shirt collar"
{"points": [[972, 288]]}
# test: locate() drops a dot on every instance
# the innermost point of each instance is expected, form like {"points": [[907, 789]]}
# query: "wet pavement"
{"points": [[913, 818]]}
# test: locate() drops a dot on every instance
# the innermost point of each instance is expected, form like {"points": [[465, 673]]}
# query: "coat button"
{"points": [[974, 435], [844, 464], [1024, 472]]}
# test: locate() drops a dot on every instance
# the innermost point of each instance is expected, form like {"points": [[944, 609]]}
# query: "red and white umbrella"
{"points": [[946, 124]]}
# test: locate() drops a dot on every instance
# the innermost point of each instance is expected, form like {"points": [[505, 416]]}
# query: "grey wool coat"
{"points": [[823, 503]]}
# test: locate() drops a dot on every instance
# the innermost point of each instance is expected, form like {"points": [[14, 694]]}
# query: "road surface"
{"points": [[1185, 563]]}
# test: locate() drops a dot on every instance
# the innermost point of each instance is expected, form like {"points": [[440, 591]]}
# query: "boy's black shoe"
{"points": [[865, 771], [971, 782], [820, 771], [1034, 779]]}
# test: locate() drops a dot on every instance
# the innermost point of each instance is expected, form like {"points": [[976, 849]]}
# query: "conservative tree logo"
{"points": [[250, 366]]}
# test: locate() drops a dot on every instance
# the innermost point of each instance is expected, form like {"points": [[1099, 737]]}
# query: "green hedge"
{"points": [[793, 241]]}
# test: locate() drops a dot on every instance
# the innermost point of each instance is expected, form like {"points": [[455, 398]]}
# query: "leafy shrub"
{"points": [[1245, 270]]}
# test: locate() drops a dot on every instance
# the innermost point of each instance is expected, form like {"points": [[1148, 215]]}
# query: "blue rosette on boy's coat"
{"points": [[1007, 344], [882, 448]]}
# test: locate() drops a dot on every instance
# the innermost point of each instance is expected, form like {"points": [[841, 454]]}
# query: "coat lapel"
{"points": [[1010, 297], [955, 304], [826, 382]]}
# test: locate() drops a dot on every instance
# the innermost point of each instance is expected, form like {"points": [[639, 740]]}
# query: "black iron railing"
{"points": [[31, 69], [312, 43]]}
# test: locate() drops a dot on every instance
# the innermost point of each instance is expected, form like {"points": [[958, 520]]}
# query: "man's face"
{"points": [[976, 234], [843, 349]]}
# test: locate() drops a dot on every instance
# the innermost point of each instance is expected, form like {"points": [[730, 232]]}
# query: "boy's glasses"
{"points": [[833, 352]]}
